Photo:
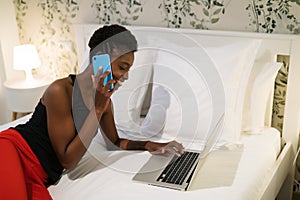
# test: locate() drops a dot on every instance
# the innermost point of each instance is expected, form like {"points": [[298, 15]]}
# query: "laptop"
{"points": [[175, 172]]}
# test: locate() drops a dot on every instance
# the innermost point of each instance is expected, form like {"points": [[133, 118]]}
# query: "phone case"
{"points": [[103, 61]]}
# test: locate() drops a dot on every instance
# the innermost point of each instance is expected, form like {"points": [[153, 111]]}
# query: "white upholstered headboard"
{"points": [[271, 46]]}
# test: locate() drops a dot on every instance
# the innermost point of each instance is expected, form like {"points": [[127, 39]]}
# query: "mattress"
{"points": [[103, 174]]}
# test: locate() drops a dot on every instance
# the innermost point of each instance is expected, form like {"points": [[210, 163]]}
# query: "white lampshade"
{"points": [[26, 58]]}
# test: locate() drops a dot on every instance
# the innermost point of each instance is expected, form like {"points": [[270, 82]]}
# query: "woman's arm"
{"points": [[69, 146], [108, 127]]}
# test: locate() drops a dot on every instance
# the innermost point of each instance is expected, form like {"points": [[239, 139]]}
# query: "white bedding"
{"points": [[107, 175]]}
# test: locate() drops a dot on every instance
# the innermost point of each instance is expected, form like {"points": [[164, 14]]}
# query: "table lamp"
{"points": [[26, 58]]}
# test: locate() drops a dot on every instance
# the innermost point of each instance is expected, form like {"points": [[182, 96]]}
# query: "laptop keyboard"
{"points": [[178, 168]]}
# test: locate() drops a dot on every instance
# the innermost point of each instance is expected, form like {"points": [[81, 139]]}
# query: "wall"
{"points": [[8, 39], [48, 23]]}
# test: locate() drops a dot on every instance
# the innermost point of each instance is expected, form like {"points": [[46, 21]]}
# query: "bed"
{"points": [[181, 83]]}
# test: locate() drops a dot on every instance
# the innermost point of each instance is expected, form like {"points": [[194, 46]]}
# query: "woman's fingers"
{"points": [[99, 72], [176, 147], [102, 77], [173, 150], [101, 80], [108, 84], [171, 147]]}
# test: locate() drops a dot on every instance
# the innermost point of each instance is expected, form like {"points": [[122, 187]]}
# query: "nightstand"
{"points": [[22, 96]]}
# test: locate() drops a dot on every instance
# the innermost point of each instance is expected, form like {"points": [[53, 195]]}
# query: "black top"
{"points": [[36, 134]]}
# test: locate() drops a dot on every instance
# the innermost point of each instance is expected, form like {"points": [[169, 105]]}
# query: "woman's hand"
{"points": [[163, 148], [102, 93]]}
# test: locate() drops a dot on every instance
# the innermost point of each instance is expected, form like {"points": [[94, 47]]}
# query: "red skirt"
{"points": [[21, 174]]}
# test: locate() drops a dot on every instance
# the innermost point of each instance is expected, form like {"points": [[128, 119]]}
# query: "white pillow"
{"points": [[261, 84], [181, 105], [128, 99], [234, 63], [187, 88]]}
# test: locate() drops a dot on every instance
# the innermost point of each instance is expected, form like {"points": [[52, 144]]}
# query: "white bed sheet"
{"points": [[20, 120], [107, 175]]}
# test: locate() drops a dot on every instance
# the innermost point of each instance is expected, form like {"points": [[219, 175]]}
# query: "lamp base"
{"points": [[29, 76]]}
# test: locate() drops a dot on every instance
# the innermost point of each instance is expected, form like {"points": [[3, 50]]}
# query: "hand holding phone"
{"points": [[103, 61]]}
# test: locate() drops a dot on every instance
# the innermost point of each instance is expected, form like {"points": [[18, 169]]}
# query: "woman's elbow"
{"points": [[68, 165]]}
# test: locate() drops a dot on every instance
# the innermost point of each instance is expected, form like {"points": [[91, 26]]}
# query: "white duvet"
{"points": [[103, 174]]}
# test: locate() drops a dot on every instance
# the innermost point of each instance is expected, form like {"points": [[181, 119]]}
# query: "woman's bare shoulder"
{"points": [[60, 88]]}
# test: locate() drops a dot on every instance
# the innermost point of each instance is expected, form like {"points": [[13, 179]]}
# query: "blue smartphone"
{"points": [[103, 60]]}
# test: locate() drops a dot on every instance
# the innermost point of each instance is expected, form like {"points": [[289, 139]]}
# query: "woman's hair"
{"points": [[108, 37]]}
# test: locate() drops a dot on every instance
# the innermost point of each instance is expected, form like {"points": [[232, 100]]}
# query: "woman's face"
{"points": [[121, 65]]}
